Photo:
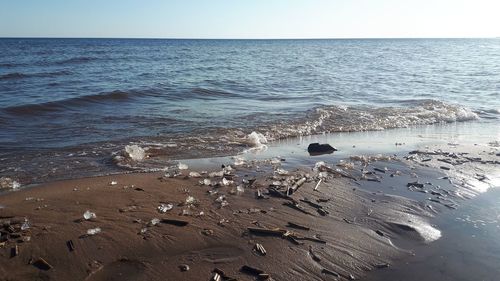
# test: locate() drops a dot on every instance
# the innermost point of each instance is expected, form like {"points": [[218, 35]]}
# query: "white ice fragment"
{"points": [[256, 139], [216, 174], [220, 199], [113, 183], [194, 174], [206, 182], [190, 200], [275, 161], [163, 208], [135, 152], [93, 231], [154, 222], [25, 225], [281, 172], [182, 166], [16, 185], [239, 161], [240, 189], [320, 166], [226, 182], [89, 215]]}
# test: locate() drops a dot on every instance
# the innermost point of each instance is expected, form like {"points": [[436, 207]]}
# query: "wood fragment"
{"points": [[296, 207], [42, 264], [71, 245], [317, 185], [310, 203], [313, 254], [322, 211], [259, 194], [297, 226], [382, 265], [216, 277], [260, 249], [265, 231], [330, 272], [251, 270], [379, 170], [295, 186], [175, 222], [14, 252], [310, 239]]}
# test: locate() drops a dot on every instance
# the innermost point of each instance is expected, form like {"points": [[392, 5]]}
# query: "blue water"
{"points": [[93, 96]]}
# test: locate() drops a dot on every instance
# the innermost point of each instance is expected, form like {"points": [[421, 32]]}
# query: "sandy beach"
{"points": [[328, 221]]}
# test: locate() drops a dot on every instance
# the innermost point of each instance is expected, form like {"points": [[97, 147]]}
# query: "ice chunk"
{"points": [[226, 182], [113, 183], [190, 200], [281, 172], [154, 222], [25, 225], [135, 152], [88, 215], [239, 161], [8, 183], [206, 182], [256, 139], [163, 208], [194, 174], [93, 231], [182, 166]]}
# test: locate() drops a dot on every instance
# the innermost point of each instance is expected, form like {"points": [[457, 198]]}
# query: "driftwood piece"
{"points": [[295, 186], [265, 231], [175, 222], [296, 207], [297, 226]]}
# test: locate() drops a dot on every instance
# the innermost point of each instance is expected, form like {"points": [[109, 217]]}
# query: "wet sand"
{"points": [[365, 215]]}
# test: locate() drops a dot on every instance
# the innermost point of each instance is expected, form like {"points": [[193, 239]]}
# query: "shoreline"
{"points": [[368, 223]]}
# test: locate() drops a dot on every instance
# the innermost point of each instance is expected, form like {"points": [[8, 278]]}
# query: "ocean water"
{"points": [[69, 106]]}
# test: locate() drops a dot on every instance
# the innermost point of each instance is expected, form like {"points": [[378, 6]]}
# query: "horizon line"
{"points": [[241, 38]]}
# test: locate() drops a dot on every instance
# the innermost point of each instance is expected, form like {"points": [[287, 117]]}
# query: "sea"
{"points": [[69, 107]]}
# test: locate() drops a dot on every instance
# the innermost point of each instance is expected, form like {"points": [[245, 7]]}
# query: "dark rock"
{"points": [[319, 149]]}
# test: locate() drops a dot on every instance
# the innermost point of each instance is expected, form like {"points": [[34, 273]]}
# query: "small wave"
{"points": [[7, 64], [76, 60], [17, 75], [11, 76], [203, 93], [364, 118], [61, 105]]}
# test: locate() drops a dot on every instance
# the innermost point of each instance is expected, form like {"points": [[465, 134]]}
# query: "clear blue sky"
{"points": [[250, 18]]}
